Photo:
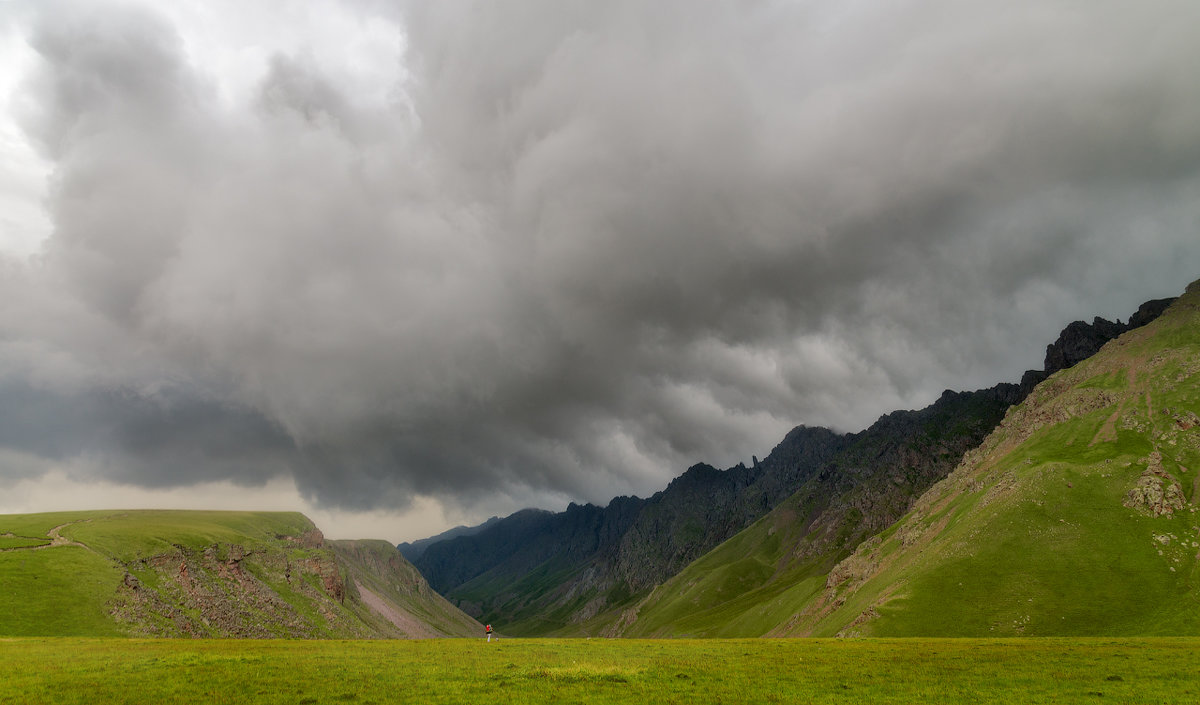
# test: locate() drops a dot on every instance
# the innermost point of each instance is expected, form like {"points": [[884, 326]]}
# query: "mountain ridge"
{"points": [[413, 549], [553, 578]]}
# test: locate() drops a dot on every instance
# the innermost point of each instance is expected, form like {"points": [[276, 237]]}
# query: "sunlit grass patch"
{"points": [[578, 673], [22, 542]]}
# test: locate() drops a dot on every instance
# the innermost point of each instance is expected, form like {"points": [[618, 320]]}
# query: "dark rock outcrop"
{"points": [[1149, 311], [1080, 340]]}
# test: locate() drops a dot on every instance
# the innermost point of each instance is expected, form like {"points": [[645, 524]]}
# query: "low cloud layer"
{"points": [[547, 249]]}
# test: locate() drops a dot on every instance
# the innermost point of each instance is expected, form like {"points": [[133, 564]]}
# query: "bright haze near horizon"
{"points": [[404, 265]]}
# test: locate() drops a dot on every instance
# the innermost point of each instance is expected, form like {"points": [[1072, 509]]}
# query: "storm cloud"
{"points": [[564, 249]]}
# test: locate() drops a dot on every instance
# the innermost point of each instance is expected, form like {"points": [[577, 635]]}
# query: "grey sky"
{"points": [[490, 254]]}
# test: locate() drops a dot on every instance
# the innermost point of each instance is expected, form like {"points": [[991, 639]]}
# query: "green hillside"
{"points": [[207, 574], [1075, 517]]}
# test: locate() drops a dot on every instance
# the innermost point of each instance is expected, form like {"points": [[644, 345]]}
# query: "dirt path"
{"points": [[56, 539], [1108, 431]]}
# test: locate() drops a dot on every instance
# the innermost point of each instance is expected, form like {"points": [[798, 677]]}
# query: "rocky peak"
{"points": [[1080, 340], [1149, 311]]}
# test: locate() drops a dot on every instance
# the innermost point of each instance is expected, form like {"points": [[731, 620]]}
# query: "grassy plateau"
{"points": [[208, 574], [90, 670]]}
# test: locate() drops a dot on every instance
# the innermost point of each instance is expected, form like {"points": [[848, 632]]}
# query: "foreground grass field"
{"points": [[69, 670]]}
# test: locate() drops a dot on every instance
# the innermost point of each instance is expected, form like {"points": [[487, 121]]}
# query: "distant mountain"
{"points": [[1074, 516], [537, 571], [866, 487], [209, 574], [581, 571], [413, 550]]}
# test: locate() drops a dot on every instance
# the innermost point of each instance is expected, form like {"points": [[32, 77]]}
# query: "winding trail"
{"points": [[56, 539]]}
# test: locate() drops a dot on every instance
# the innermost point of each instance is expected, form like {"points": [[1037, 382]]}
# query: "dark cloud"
{"points": [[568, 248], [151, 440]]}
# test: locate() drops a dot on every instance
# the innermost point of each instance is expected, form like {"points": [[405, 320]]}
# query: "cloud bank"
{"points": [[547, 249]]}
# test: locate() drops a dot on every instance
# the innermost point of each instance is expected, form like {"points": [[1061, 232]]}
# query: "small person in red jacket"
{"points": [[488, 629]]}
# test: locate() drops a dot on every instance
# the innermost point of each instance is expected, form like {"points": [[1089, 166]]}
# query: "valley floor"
{"points": [[73, 670]]}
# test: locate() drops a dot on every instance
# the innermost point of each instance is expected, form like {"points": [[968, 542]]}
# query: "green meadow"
{"points": [[91, 670]]}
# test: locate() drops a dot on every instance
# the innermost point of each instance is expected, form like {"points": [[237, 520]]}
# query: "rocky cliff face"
{"points": [[884, 468], [227, 591], [704, 506], [543, 572]]}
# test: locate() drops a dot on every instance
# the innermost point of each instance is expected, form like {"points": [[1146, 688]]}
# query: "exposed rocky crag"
{"points": [[1157, 492], [1080, 340]]}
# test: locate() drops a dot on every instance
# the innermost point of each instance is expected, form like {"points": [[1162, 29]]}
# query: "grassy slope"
{"points": [[736, 590], [519, 606], [1023, 672], [59, 591], [175, 573], [1030, 535], [34, 583], [379, 567]]}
